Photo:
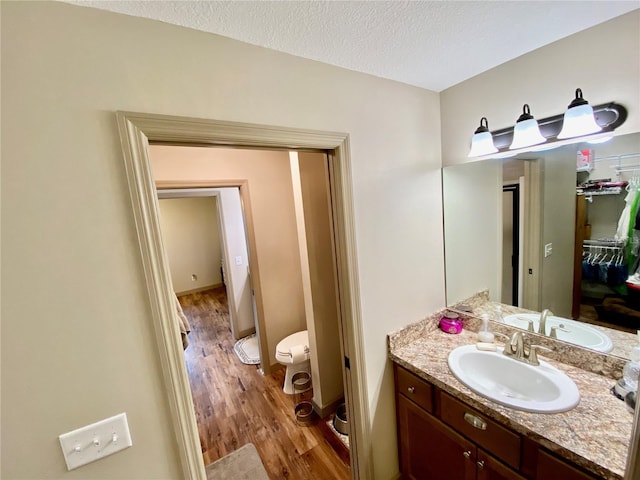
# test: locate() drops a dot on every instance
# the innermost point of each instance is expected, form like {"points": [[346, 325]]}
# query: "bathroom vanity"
{"points": [[445, 430]]}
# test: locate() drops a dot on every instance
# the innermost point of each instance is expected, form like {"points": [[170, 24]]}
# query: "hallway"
{"points": [[235, 404]]}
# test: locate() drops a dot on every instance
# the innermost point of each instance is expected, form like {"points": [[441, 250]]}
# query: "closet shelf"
{"points": [[599, 193], [604, 242]]}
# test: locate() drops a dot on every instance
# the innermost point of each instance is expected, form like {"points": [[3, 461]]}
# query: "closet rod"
{"points": [[624, 156], [601, 247], [627, 168]]}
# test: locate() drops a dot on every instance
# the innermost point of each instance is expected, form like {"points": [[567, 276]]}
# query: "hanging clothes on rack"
{"points": [[630, 210], [603, 262], [629, 228], [633, 241]]}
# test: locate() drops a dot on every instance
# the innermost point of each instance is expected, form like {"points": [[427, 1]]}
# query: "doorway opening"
{"points": [[511, 244], [137, 132], [206, 243], [290, 210]]}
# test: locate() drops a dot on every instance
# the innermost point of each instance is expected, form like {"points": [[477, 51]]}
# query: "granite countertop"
{"points": [[595, 434]]}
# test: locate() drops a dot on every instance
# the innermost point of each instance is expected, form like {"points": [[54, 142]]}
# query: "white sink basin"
{"points": [[540, 389], [579, 333]]}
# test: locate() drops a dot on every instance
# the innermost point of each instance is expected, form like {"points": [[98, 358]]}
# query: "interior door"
{"points": [[510, 243], [581, 235]]}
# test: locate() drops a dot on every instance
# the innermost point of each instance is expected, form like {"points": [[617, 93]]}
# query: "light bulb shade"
{"points": [[578, 119], [526, 132], [482, 141]]}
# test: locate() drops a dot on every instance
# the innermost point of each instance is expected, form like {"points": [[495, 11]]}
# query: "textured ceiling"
{"points": [[430, 44]]}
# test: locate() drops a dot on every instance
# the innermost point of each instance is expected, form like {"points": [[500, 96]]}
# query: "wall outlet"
{"points": [[93, 442], [548, 249], [238, 260]]}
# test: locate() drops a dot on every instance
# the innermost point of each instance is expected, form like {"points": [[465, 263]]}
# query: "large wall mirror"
{"points": [[552, 230]]}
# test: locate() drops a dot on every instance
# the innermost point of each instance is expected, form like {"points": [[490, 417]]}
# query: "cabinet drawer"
{"points": [[414, 388], [552, 467], [488, 434]]}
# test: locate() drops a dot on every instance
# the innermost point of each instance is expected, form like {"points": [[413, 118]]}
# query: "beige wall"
{"points": [[78, 344], [473, 229], [602, 60], [237, 276], [274, 222], [327, 373], [558, 229], [545, 79], [191, 239]]}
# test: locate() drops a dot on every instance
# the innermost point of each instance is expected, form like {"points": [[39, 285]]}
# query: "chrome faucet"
{"points": [[542, 327]]}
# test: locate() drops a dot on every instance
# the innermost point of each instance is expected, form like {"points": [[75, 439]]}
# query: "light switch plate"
{"points": [[95, 441], [548, 249]]}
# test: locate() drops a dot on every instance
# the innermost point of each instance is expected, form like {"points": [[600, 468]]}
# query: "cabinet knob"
{"points": [[481, 464], [411, 389], [467, 454]]}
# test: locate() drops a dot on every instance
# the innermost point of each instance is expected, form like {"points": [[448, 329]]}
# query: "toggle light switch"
{"points": [[95, 441]]}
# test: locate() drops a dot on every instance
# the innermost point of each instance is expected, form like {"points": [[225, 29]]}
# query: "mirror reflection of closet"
{"points": [[608, 235], [480, 255]]}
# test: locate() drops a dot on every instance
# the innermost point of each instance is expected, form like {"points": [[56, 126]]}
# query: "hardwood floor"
{"points": [[235, 404]]}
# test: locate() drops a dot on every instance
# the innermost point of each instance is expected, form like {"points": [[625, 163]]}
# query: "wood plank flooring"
{"points": [[235, 404]]}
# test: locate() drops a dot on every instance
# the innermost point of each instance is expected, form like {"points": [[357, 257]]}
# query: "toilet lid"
{"points": [[298, 338]]}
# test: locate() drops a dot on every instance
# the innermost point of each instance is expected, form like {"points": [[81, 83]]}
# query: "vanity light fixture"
{"points": [[482, 141], [526, 133], [598, 124], [578, 119]]}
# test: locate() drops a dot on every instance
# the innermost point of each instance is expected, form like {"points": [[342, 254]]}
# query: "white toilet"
{"points": [[293, 352]]}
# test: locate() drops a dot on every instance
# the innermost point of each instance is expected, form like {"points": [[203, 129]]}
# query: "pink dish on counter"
{"points": [[451, 323]]}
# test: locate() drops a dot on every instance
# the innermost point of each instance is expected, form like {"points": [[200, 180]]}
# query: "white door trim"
{"points": [[532, 238], [137, 130]]}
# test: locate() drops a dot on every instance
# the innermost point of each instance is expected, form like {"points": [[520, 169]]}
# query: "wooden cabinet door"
{"points": [[482, 431], [429, 450], [490, 468], [552, 467]]}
